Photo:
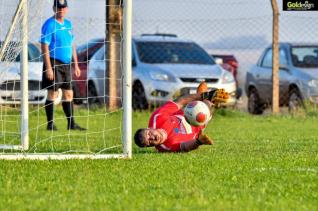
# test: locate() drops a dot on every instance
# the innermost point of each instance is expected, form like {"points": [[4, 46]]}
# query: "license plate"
{"points": [[192, 91], [18, 96]]}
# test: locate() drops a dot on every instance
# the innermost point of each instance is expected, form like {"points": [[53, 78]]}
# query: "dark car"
{"points": [[298, 77], [84, 54], [229, 63]]}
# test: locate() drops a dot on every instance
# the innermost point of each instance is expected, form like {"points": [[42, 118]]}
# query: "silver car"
{"points": [[10, 75], [164, 67], [298, 77]]}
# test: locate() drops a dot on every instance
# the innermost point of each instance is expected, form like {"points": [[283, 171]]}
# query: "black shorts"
{"points": [[62, 76]]}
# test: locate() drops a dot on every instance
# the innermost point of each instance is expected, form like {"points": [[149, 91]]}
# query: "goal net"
{"points": [[101, 94]]}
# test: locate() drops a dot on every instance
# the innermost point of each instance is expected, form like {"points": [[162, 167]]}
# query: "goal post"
{"points": [[23, 133], [127, 89]]}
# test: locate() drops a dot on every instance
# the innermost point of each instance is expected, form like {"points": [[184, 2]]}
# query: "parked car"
{"points": [[229, 63], [10, 78], [298, 77], [164, 67], [84, 54]]}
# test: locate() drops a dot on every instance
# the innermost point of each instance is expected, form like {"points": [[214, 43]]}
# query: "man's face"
{"points": [[153, 137], [60, 12]]}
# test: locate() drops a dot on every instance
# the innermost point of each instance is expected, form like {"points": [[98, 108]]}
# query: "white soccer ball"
{"points": [[197, 113]]}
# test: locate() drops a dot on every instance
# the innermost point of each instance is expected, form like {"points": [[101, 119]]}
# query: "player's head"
{"points": [[146, 137], [60, 7]]}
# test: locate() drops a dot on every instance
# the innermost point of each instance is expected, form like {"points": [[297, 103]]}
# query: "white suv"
{"points": [[164, 67]]}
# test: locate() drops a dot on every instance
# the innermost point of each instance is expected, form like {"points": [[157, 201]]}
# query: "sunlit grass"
{"points": [[257, 163]]}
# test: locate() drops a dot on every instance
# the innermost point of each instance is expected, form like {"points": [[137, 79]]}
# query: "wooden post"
{"points": [[275, 47], [113, 50]]}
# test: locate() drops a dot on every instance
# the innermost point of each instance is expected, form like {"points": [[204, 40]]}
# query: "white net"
{"points": [[91, 110]]}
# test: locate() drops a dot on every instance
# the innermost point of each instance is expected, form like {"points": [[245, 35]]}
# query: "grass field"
{"points": [[257, 163]]}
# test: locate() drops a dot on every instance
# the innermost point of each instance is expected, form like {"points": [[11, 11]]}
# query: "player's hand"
{"points": [[204, 139], [221, 96], [77, 71], [50, 74], [216, 96]]}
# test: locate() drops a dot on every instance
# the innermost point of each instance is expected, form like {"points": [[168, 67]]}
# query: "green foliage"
{"points": [[257, 163]]}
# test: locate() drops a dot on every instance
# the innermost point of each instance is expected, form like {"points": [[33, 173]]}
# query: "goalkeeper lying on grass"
{"points": [[168, 130]]}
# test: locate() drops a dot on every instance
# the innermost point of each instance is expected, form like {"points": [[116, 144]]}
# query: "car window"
{"points": [[282, 57], [100, 54], [305, 56], [268, 61], [34, 54], [172, 52]]}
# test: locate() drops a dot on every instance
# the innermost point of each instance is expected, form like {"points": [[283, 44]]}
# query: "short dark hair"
{"points": [[139, 137]]}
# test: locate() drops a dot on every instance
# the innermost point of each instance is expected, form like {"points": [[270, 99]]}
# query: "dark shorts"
{"points": [[62, 76]]}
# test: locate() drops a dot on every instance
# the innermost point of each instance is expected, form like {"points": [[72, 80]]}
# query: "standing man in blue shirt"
{"points": [[58, 50]]}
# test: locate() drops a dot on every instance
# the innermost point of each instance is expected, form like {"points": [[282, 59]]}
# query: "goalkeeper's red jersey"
{"points": [[170, 118]]}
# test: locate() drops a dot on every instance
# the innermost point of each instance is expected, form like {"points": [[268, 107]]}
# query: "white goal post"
{"points": [[22, 139]]}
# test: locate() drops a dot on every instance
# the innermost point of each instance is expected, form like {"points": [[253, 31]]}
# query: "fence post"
{"points": [[113, 53], [275, 57]]}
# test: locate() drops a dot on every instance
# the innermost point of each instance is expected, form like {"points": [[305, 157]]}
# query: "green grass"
{"points": [[257, 163]]}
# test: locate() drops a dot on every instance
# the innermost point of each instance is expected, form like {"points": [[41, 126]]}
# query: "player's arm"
{"points": [[189, 145], [47, 61], [75, 60], [194, 144]]}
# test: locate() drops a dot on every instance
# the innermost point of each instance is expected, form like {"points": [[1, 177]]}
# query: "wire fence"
{"points": [[240, 28]]}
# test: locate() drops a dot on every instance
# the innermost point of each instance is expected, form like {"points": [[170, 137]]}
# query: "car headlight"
{"points": [[160, 76], [313, 83], [227, 77]]}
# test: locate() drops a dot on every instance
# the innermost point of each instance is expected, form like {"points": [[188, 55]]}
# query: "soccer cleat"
{"points": [[51, 127], [76, 127]]}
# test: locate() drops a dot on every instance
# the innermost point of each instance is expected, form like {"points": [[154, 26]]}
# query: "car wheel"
{"points": [[254, 105], [139, 100], [295, 102], [92, 94]]}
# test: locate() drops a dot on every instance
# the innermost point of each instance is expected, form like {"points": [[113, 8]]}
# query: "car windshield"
{"points": [[305, 56], [172, 52], [34, 54]]}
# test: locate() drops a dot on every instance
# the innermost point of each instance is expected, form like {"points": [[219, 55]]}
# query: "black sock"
{"points": [[49, 106], [68, 110]]}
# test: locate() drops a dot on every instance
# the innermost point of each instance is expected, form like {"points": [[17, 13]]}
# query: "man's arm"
{"points": [[189, 145], [75, 59], [47, 62], [194, 144]]}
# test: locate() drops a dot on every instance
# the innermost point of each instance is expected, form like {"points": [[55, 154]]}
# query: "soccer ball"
{"points": [[197, 113]]}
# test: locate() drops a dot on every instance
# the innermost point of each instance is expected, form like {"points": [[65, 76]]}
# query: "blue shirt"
{"points": [[59, 37]]}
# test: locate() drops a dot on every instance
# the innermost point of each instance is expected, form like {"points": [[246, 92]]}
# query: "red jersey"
{"points": [[170, 118]]}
